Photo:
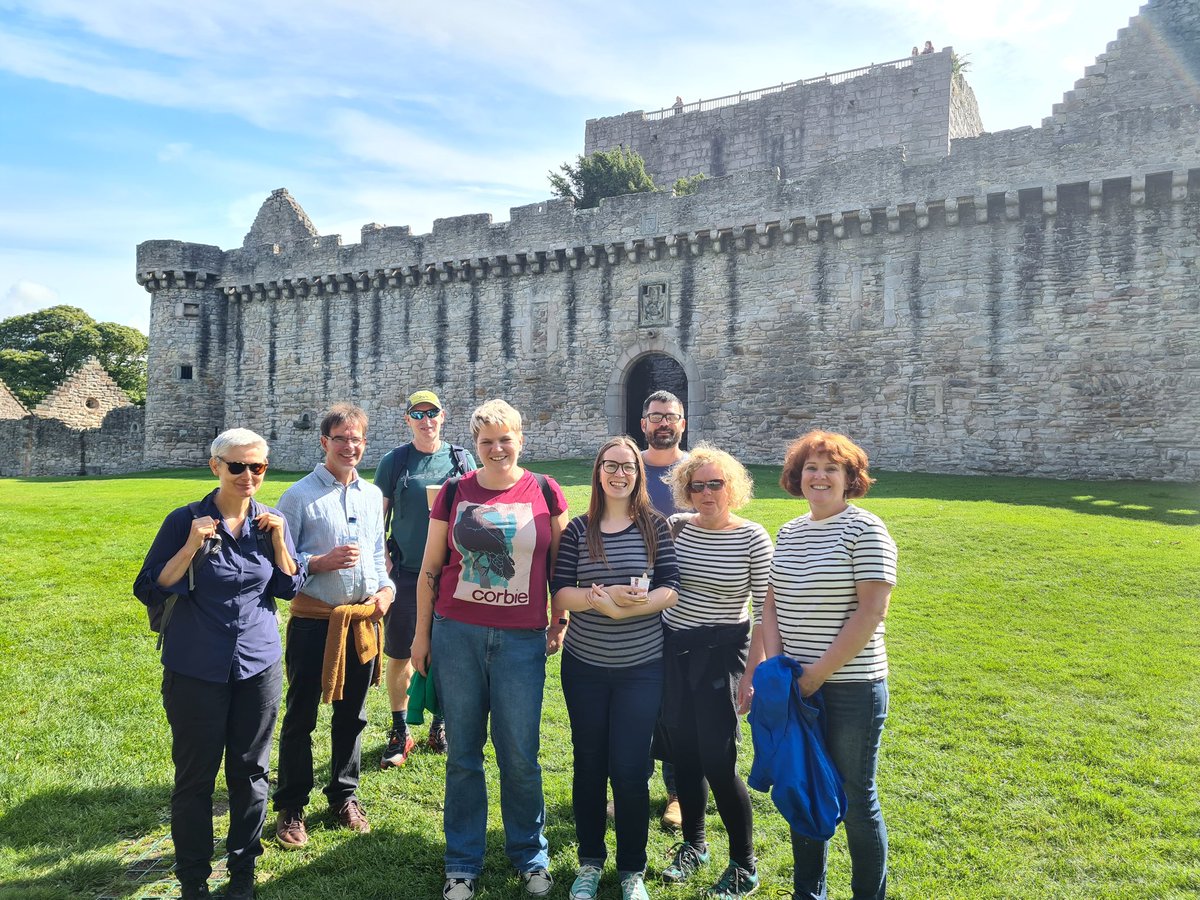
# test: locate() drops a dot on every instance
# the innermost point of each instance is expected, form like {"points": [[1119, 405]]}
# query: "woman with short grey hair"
{"points": [[213, 573]]}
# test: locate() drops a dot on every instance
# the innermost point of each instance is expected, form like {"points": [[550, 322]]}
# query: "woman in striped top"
{"points": [[724, 562], [615, 572], [831, 581]]}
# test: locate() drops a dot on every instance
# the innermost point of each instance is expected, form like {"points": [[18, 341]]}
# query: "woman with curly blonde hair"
{"points": [[724, 561]]}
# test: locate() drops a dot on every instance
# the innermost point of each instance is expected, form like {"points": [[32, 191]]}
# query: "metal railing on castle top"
{"points": [[731, 99]]}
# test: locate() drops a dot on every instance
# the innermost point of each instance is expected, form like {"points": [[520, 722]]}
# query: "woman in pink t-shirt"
{"points": [[482, 602]]}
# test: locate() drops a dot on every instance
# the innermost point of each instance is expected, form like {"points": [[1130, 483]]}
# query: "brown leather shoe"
{"points": [[290, 830], [350, 815]]}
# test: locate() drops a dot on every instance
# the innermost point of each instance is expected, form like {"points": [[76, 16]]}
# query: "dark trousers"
{"points": [[703, 740], [304, 656], [613, 712], [234, 719]]}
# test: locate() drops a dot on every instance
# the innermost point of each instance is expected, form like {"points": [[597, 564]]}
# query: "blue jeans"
{"points": [[501, 672], [613, 712], [855, 712]]}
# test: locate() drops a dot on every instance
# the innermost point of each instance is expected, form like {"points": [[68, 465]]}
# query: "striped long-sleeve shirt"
{"points": [[815, 578], [719, 571], [593, 637]]}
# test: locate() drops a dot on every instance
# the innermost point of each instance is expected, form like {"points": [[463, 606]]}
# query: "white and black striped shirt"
{"points": [[814, 576], [718, 572], [593, 637]]}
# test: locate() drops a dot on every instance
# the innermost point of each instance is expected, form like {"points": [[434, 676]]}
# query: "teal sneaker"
{"points": [[734, 882], [686, 860], [633, 887], [587, 883]]}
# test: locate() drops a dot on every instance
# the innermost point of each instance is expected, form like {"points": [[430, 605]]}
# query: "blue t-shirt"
{"points": [[659, 491]]}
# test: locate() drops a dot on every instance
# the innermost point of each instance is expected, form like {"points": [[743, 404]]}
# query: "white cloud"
{"points": [[26, 297]]}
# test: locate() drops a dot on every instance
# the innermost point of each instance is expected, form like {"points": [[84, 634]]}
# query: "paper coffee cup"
{"points": [[431, 492], [641, 582]]}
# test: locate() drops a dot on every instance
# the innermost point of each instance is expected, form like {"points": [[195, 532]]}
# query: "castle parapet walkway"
{"points": [[741, 96]]}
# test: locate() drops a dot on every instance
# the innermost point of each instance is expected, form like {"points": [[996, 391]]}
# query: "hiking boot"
{"points": [[586, 885], [686, 860], [537, 883], [194, 891], [290, 830], [672, 816], [240, 887], [633, 887], [350, 815], [458, 889], [735, 882], [399, 745], [437, 736]]}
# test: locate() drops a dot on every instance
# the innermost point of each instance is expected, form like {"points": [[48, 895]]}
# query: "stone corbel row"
{"points": [[160, 279], [721, 238]]}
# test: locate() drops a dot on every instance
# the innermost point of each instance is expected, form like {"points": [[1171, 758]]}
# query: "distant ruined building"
{"points": [[862, 258], [85, 426]]}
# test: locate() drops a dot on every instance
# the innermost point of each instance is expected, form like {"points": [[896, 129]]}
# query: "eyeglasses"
{"points": [[418, 414], [699, 487], [669, 418], [347, 442], [237, 468], [612, 467]]}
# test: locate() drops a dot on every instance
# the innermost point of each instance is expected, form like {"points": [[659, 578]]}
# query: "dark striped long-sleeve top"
{"points": [[593, 637]]}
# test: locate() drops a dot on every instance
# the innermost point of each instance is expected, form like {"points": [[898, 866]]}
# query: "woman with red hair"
{"points": [[831, 579]]}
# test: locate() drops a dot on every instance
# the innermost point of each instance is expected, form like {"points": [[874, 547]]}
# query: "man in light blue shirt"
{"points": [[336, 520]]}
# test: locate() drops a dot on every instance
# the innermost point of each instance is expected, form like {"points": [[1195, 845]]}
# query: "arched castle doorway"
{"points": [[652, 372], [648, 365]]}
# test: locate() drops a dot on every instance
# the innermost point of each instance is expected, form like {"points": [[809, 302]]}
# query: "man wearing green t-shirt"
{"points": [[402, 475]]}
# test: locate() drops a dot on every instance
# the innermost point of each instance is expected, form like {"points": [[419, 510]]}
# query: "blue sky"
{"points": [[131, 120]]}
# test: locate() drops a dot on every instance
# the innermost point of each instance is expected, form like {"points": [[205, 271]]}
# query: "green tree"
{"points": [[685, 186], [39, 349], [606, 173]]}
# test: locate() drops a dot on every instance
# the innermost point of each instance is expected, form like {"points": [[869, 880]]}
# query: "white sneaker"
{"points": [[587, 883], [537, 883], [459, 889]]}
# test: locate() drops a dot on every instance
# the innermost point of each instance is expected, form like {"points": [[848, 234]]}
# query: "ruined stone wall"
{"points": [[84, 398], [798, 129], [41, 446]]}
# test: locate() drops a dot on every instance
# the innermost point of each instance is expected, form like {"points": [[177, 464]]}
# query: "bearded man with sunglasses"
{"points": [[333, 636], [404, 475]]}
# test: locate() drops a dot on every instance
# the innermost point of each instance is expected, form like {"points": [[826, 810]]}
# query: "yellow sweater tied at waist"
{"points": [[354, 618]]}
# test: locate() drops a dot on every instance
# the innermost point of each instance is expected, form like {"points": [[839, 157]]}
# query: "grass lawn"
{"points": [[1044, 736]]}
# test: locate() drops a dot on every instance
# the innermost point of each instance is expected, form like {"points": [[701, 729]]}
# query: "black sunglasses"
{"points": [[237, 468], [418, 414], [697, 487]]}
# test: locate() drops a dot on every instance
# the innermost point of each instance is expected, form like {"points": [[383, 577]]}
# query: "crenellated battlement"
{"points": [[861, 258]]}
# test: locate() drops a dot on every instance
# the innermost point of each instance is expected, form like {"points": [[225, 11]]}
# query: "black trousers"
{"points": [[234, 719], [304, 655], [703, 741]]}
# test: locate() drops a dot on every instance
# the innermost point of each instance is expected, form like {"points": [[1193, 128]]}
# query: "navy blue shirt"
{"points": [[226, 628]]}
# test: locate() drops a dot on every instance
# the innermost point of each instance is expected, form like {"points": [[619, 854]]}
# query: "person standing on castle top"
{"points": [[663, 424], [333, 636], [928, 48], [403, 475], [678, 105]]}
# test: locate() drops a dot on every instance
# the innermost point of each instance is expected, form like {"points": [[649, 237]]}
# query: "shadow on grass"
{"points": [[64, 819], [53, 828], [391, 863], [1167, 503], [81, 879]]}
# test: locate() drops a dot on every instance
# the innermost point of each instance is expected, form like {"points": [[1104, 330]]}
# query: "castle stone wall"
{"points": [[1025, 303], [798, 129]]}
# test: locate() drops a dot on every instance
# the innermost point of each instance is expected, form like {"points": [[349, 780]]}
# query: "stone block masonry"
{"points": [[1023, 302]]}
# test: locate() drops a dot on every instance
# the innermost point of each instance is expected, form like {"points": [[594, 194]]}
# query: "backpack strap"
{"points": [[458, 458], [677, 522], [399, 464]]}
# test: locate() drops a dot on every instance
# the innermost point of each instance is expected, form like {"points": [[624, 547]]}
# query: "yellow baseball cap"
{"points": [[423, 397]]}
